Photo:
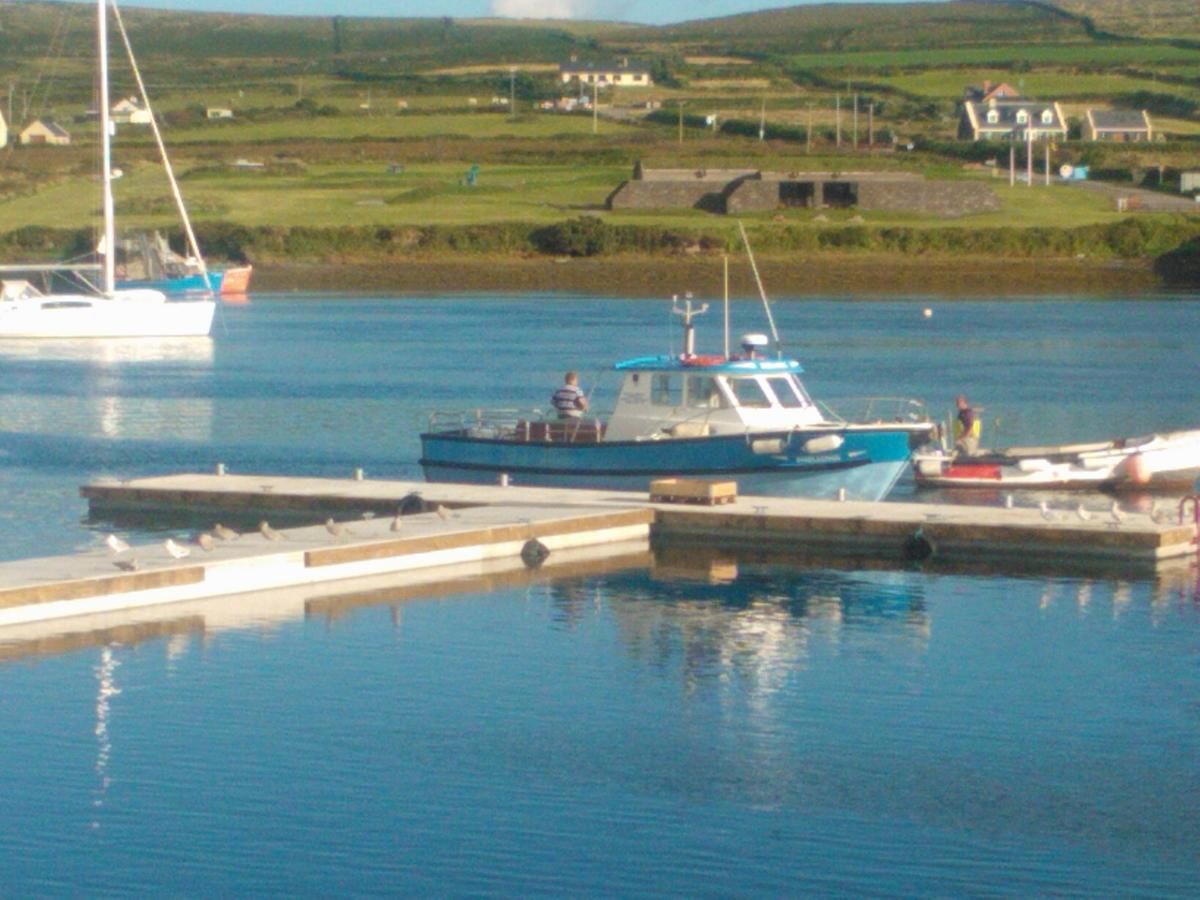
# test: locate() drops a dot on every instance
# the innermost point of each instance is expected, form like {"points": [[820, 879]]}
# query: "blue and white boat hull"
{"points": [[866, 465]]}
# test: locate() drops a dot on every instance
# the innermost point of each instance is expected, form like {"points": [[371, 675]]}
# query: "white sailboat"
{"points": [[27, 312]]}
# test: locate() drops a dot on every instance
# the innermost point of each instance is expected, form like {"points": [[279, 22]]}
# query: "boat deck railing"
{"points": [[877, 411], [526, 425]]}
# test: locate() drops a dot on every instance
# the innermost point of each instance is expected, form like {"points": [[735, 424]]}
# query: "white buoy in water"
{"points": [[927, 313]]}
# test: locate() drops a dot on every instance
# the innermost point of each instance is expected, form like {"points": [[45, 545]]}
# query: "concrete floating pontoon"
{"points": [[100, 580], [481, 522]]}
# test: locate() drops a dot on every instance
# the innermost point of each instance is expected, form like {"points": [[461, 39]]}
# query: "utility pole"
{"points": [[1029, 155], [762, 122], [856, 120], [808, 132], [681, 123], [595, 104], [871, 125], [838, 115], [512, 92]]}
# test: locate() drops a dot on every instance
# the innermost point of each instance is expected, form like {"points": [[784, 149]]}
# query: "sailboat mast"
{"points": [[110, 238]]}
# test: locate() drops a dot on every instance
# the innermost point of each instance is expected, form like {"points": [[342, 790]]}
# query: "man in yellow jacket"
{"points": [[967, 428]]}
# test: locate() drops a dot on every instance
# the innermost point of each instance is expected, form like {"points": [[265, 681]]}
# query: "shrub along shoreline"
{"points": [[1162, 249]]}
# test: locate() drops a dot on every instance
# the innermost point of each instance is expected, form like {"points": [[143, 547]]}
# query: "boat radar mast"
{"points": [[688, 314]]}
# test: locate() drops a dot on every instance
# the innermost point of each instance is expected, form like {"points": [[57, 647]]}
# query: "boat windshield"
{"points": [[786, 393], [749, 393]]}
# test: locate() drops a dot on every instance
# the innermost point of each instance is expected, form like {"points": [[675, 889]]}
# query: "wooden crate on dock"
{"points": [[690, 490]]}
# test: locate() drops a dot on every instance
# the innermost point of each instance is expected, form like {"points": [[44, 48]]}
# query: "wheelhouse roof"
{"points": [[710, 365]]}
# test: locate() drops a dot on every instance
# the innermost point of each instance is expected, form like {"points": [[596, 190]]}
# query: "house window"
{"points": [[993, 116], [1022, 117], [1047, 117]]}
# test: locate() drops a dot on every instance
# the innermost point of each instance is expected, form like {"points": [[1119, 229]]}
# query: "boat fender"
{"points": [[410, 504], [826, 443], [919, 547], [768, 446], [1136, 470], [534, 553]]}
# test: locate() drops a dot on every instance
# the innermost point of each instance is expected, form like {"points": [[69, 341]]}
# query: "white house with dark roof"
{"points": [[43, 131], [1119, 125], [1012, 120], [620, 73]]}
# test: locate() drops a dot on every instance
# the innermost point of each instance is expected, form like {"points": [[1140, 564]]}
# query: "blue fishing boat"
{"points": [[743, 417], [148, 262]]}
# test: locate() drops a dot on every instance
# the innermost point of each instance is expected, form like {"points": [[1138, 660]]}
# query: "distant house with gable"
{"points": [[620, 73], [991, 90], [1119, 125], [44, 131], [129, 111], [1012, 120]]}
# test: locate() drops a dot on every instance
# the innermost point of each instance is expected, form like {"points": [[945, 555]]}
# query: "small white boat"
{"points": [[104, 311], [1168, 461]]}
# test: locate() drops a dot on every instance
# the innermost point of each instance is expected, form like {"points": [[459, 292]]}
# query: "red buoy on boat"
{"points": [[1136, 470]]}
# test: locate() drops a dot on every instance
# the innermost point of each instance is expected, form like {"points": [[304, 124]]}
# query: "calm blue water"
{"points": [[793, 731]]}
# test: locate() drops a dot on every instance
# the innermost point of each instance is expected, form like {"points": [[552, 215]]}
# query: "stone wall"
{"points": [[939, 198]]}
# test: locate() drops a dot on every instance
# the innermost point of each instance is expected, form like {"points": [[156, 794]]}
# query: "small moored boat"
{"points": [[744, 417], [1168, 461]]}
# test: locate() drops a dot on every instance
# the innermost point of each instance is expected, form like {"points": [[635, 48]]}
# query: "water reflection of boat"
{"points": [[744, 417], [109, 351]]}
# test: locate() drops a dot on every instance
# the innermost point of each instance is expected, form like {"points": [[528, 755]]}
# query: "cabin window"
{"points": [[702, 392], [666, 390], [785, 392], [749, 393]]}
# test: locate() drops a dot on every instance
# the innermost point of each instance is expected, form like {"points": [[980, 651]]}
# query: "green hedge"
{"points": [[1132, 237]]}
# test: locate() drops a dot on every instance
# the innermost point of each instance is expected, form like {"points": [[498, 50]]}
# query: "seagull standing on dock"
{"points": [[1008, 501], [337, 529], [442, 512], [265, 529], [206, 542], [115, 544], [1047, 513], [396, 524], [1083, 514], [1157, 515], [175, 550], [1116, 513], [127, 565], [225, 534]]}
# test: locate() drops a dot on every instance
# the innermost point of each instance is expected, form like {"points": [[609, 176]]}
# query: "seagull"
{"points": [[1083, 514], [175, 550], [115, 544], [126, 565], [205, 541], [1116, 513], [442, 512], [336, 528], [1008, 501], [1158, 515], [395, 526], [268, 532], [225, 534], [1047, 513]]}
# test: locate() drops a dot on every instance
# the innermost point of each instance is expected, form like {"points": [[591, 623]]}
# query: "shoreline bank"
{"points": [[644, 276]]}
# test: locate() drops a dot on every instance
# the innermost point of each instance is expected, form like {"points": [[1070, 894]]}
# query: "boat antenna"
{"points": [[725, 259], [688, 314], [109, 241], [193, 246], [761, 291]]}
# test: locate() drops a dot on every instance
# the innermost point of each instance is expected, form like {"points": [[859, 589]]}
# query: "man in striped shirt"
{"points": [[569, 400]]}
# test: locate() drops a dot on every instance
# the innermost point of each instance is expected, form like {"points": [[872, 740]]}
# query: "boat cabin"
{"points": [[697, 396]]}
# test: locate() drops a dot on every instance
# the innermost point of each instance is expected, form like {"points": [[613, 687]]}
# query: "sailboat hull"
{"points": [[136, 313]]}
